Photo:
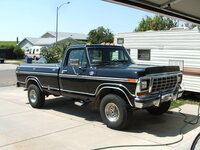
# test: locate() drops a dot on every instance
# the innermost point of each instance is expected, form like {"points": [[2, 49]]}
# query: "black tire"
{"points": [[122, 118], [163, 108], [35, 96]]}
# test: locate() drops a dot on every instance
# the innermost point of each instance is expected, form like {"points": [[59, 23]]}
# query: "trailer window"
{"points": [[144, 54], [120, 40]]}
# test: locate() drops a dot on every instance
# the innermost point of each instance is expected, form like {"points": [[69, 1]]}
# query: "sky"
{"points": [[32, 18]]}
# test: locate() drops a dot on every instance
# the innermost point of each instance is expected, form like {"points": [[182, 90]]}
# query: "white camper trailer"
{"points": [[34, 52], [172, 47]]}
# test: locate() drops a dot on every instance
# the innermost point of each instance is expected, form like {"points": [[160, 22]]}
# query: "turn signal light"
{"points": [[142, 93], [132, 80]]}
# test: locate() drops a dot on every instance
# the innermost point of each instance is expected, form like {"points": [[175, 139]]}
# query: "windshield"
{"points": [[106, 56]]}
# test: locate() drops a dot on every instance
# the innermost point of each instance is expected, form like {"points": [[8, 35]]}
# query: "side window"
{"points": [[78, 54], [144, 54]]}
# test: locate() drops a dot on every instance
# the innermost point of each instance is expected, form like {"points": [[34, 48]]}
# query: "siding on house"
{"points": [[25, 45]]}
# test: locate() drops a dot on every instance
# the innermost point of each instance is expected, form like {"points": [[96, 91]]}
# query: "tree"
{"points": [[55, 53], [191, 25], [100, 35], [156, 23]]}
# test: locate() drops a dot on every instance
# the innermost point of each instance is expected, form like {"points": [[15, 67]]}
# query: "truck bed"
{"points": [[46, 74]]}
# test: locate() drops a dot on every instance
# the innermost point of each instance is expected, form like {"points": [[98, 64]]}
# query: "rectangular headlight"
{"points": [[144, 85]]}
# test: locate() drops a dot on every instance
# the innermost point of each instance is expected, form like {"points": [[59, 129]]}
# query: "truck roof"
{"points": [[95, 46]]}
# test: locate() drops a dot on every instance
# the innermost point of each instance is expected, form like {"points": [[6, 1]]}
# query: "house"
{"points": [[49, 38], [171, 47], [76, 36]]}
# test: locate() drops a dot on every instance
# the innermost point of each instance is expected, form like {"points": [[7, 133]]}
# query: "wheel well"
{"points": [[104, 92], [29, 82]]}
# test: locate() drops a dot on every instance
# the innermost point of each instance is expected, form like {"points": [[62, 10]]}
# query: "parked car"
{"points": [[2, 58], [105, 76]]}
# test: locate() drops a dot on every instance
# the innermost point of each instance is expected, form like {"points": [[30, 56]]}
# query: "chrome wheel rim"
{"points": [[112, 112], [33, 96]]}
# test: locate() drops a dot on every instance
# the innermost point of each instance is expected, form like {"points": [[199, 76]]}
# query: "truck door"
{"points": [[72, 77]]}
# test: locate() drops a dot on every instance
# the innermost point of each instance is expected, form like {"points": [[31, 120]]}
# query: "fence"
{"points": [[8, 53]]}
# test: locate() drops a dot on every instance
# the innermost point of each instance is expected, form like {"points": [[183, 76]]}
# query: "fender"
{"points": [[32, 78], [115, 88], [122, 87]]}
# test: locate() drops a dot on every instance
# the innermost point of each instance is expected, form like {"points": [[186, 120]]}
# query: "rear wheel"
{"points": [[164, 107], [35, 96], [115, 112]]}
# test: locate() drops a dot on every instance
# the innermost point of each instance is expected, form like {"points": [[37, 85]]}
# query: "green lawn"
{"points": [[185, 99], [8, 43]]}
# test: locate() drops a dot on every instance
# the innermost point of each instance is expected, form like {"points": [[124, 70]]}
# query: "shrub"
{"points": [[18, 52]]}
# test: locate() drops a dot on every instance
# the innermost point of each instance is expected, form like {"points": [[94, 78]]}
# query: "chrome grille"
{"points": [[163, 83]]}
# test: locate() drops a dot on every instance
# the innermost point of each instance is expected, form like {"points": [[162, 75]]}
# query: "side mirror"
{"points": [[74, 62]]}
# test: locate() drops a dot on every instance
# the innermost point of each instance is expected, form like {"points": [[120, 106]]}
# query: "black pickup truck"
{"points": [[106, 76]]}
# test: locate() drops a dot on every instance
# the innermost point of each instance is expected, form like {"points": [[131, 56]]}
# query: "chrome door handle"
{"points": [[64, 71]]}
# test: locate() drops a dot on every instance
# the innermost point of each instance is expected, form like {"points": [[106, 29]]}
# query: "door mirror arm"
{"points": [[82, 68]]}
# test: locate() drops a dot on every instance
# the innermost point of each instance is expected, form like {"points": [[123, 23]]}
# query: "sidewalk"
{"points": [[6, 66]]}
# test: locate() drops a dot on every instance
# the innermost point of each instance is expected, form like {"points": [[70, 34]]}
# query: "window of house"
{"points": [[144, 54], [120, 40]]}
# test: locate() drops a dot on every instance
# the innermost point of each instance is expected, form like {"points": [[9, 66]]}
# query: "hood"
{"points": [[133, 70]]}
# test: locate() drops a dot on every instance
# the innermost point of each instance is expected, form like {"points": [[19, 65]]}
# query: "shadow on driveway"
{"points": [[165, 125]]}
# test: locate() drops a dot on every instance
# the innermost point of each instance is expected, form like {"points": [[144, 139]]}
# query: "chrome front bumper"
{"points": [[157, 99]]}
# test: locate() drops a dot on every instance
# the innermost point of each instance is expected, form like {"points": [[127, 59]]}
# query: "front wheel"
{"points": [[163, 108], [35, 96], [115, 112]]}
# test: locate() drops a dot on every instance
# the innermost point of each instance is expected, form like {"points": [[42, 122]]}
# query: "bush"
{"points": [[18, 52], [50, 55]]}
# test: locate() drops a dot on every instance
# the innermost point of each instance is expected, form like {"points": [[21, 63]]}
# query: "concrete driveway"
{"points": [[61, 125]]}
